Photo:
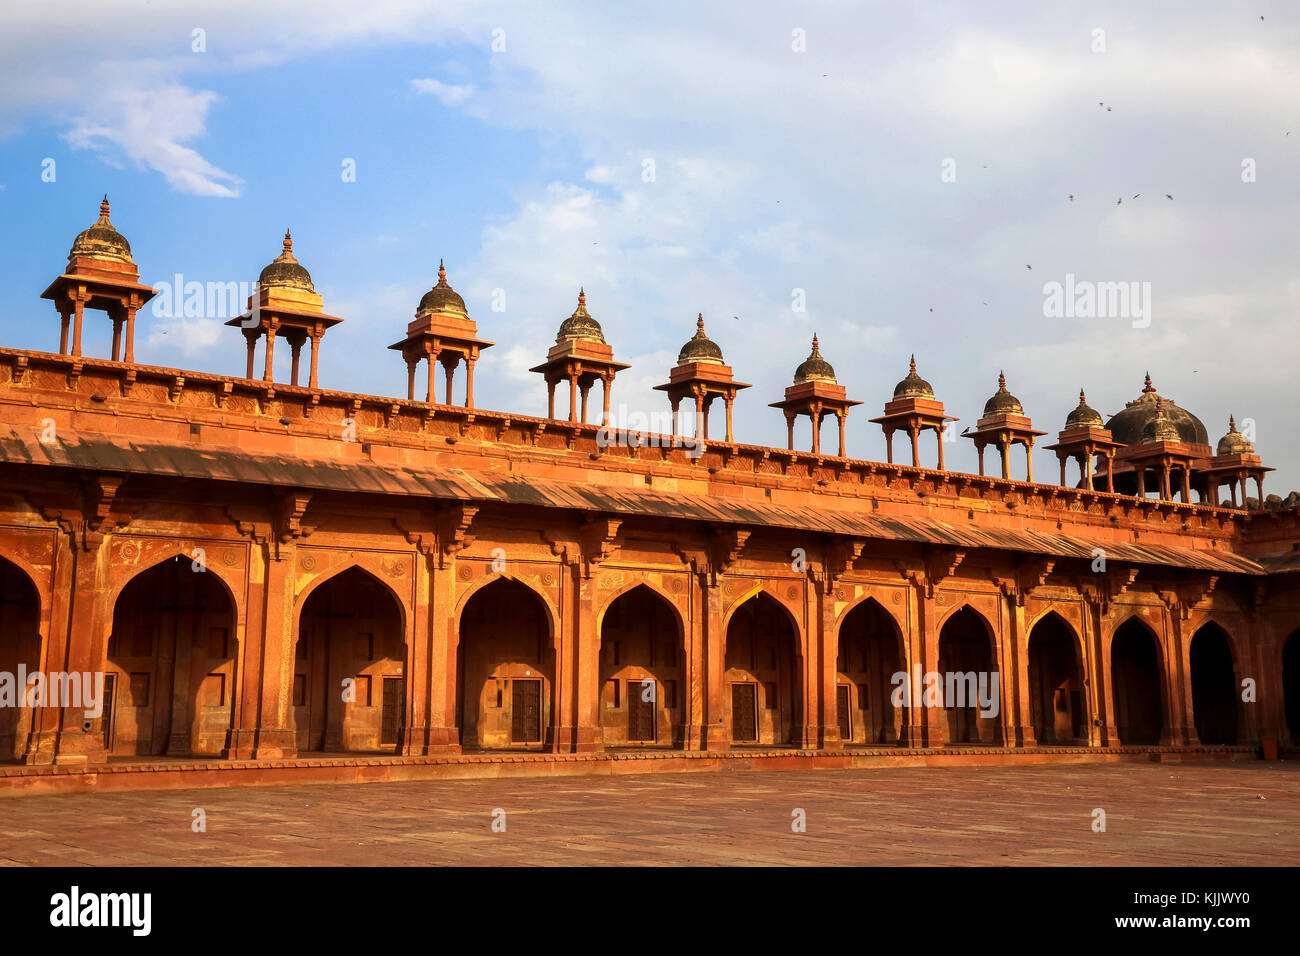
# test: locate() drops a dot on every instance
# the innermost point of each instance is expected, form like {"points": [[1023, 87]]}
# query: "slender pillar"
{"points": [[729, 399], [573, 397], [815, 413], [251, 335], [1004, 453], [550, 399], [270, 353], [432, 397], [469, 382], [979, 453], [76, 327], [64, 317], [889, 445], [916, 452], [584, 390], [315, 354], [296, 351], [675, 403], [842, 418], [129, 357], [789, 430], [450, 369], [411, 363], [1029, 459], [1110, 472], [939, 434], [606, 389], [117, 338]]}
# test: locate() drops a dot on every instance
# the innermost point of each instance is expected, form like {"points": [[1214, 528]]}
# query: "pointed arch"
{"points": [[22, 647], [1211, 666], [505, 667], [1057, 702], [350, 652], [174, 550], [488, 580], [968, 665], [642, 665], [1138, 682], [763, 673], [869, 654], [171, 661]]}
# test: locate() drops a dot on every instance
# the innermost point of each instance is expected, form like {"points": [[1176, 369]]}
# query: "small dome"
{"points": [[285, 272], [101, 241], [1127, 425], [1003, 402], [1160, 428], [913, 386], [1083, 415], [700, 348], [580, 326], [1234, 443], [814, 368], [442, 299]]}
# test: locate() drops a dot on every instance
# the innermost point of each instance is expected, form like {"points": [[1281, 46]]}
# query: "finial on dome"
{"points": [[911, 365], [1002, 380], [103, 207], [815, 343], [1232, 423], [442, 270], [699, 323], [1082, 400], [1148, 387], [582, 297], [288, 241]]}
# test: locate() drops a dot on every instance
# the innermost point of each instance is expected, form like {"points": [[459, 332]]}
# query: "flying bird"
{"points": [[1028, 267], [1071, 197], [1119, 201], [1135, 195], [1167, 196]]}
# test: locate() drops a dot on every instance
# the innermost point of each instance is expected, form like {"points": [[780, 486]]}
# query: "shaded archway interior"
{"points": [[349, 691], [869, 659], [169, 680], [1214, 686], [505, 665], [763, 701], [968, 665], [1056, 697], [1136, 684], [20, 649], [641, 666]]}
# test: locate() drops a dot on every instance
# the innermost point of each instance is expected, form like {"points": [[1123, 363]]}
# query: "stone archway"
{"points": [[870, 655], [169, 683], [968, 671], [505, 666], [1136, 684], [1214, 686], [350, 629], [1056, 698], [20, 653], [1291, 685], [642, 661], [762, 702]]}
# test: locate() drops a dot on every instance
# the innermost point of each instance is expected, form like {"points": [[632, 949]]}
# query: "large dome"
{"points": [[442, 299], [286, 272], [101, 241], [700, 348], [1129, 425], [580, 327]]}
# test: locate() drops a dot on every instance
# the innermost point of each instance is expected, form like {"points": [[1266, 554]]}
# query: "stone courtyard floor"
{"points": [[1190, 814]]}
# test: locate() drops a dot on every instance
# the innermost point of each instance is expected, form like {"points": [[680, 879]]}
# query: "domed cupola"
{"points": [[1159, 427], [1129, 425], [1082, 415], [1003, 402], [814, 368], [700, 348], [285, 271], [1234, 442], [101, 241], [580, 327], [913, 386], [442, 300]]}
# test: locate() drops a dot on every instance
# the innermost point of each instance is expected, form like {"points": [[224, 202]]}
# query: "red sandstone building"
{"points": [[264, 569]]}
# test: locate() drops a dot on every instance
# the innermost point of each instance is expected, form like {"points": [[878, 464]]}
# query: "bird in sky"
{"points": [[1119, 201], [1167, 196], [1028, 266], [1135, 195], [1071, 197]]}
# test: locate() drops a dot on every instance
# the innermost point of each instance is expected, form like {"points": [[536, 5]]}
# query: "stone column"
{"points": [[717, 731], [275, 736]]}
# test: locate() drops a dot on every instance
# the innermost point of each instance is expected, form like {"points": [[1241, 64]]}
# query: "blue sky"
{"points": [[775, 170]]}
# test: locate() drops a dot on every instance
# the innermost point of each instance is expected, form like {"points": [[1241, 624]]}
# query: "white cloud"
{"points": [[451, 94], [150, 127]]}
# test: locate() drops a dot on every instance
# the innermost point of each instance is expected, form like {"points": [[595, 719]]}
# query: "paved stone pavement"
{"points": [[1157, 814]]}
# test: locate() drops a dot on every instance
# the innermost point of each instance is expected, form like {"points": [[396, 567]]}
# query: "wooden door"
{"points": [[744, 717], [640, 712], [842, 711], [392, 719], [525, 711]]}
